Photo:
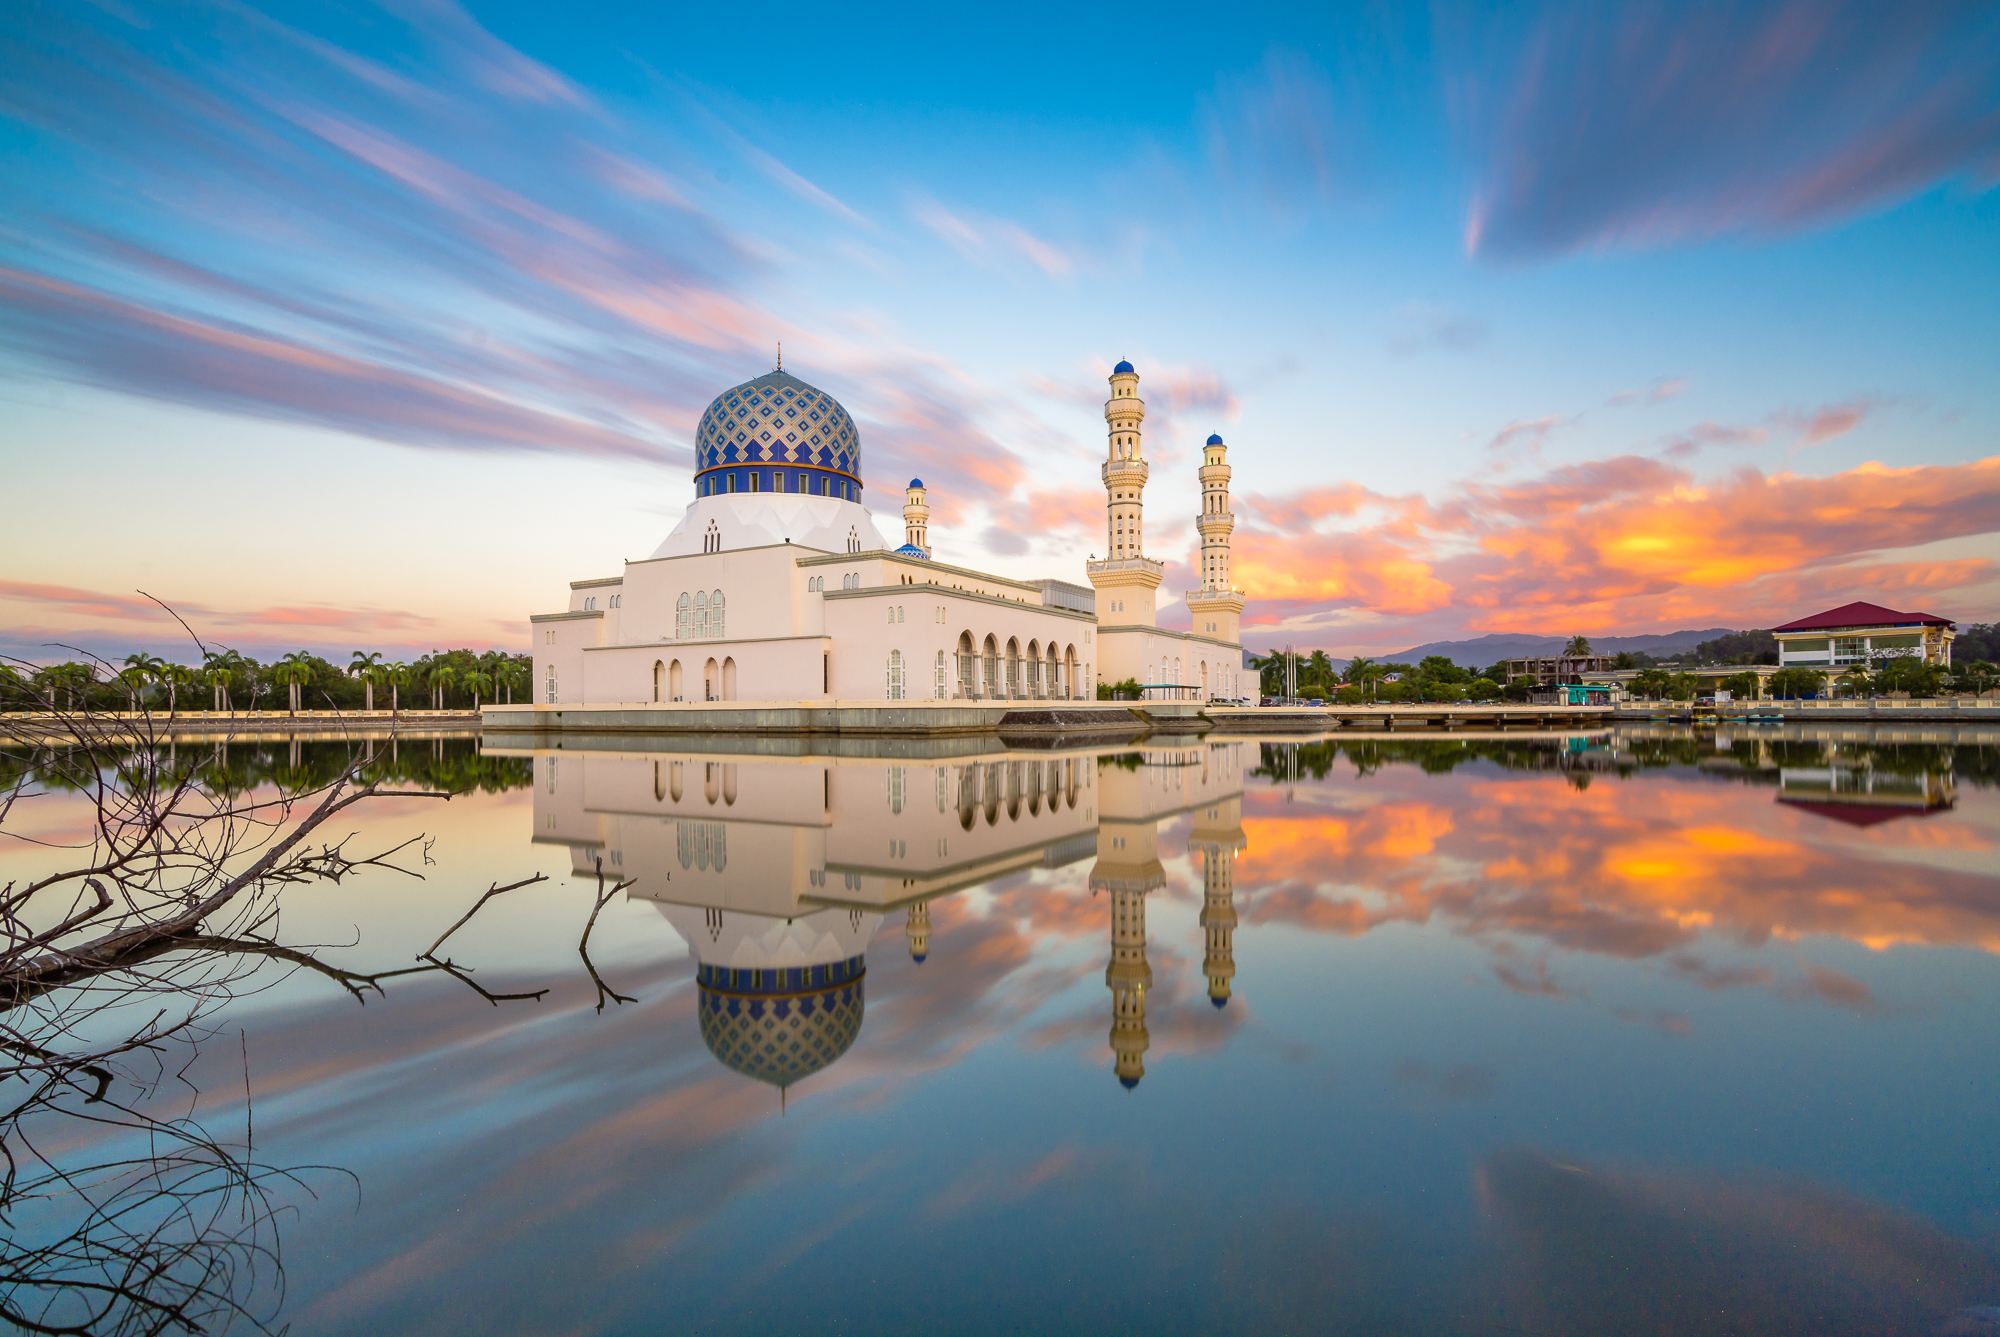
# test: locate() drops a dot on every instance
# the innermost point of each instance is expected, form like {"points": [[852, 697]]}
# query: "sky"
{"points": [[339, 326]]}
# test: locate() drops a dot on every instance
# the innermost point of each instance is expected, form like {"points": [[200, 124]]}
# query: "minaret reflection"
{"points": [[1128, 866], [918, 930], [1218, 834]]}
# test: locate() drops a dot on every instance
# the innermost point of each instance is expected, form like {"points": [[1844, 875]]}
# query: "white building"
{"points": [[1860, 634], [777, 586]]}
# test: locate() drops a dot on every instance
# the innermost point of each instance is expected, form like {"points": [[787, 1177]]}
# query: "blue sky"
{"points": [[356, 325]]}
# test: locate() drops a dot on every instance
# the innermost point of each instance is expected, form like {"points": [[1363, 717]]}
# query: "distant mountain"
{"points": [[1481, 651]]}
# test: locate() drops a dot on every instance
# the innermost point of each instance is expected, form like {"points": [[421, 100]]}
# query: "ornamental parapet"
{"points": [[1215, 522], [1125, 473]]}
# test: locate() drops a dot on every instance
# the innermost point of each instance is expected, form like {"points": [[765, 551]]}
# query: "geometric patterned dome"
{"points": [[777, 420], [780, 1025]]}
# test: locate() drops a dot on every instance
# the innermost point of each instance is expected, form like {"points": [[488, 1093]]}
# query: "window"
{"points": [[753, 482], [715, 614], [731, 480], [895, 675], [682, 628], [937, 687], [711, 541], [549, 636], [700, 613], [550, 697], [853, 540], [617, 600]]}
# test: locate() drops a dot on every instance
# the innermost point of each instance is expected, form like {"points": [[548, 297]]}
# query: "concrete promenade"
{"points": [[1955, 709], [1020, 718], [242, 725]]}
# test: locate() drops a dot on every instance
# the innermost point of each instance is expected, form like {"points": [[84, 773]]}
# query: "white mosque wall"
{"points": [[1201, 667]]}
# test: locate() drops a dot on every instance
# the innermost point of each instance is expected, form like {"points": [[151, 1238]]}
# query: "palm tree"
{"points": [[442, 677], [1578, 648], [140, 669], [477, 682], [294, 670], [512, 674], [1362, 672], [399, 678], [133, 680], [177, 676], [220, 668], [368, 668]]}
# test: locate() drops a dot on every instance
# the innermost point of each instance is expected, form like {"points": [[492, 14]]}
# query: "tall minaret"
{"points": [[917, 517], [1127, 867], [1218, 834], [1126, 579], [1217, 608]]}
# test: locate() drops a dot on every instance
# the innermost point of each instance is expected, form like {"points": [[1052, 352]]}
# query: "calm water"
{"points": [[1625, 1033]]}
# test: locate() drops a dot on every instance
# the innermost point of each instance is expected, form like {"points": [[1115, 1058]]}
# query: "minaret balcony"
{"points": [[1215, 522], [1126, 473]]}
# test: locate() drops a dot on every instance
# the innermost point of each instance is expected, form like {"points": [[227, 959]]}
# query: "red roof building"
{"points": [[1859, 634]]}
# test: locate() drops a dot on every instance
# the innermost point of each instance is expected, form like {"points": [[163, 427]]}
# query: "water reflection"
{"points": [[778, 874], [1510, 1034]]}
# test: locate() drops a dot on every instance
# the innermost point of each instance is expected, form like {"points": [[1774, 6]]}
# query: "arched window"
{"points": [[682, 627], [700, 613], [895, 675], [853, 539], [937, 688], [715, 613], [712, 540], [549, 696]]}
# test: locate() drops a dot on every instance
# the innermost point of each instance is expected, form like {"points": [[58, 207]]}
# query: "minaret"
{"points": [[917, 517], [1216, 607], [1127, 867], [918, 931], [1126, 579], [1218, 834]]}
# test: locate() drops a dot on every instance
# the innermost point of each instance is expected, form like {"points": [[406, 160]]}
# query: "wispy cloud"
{"points": [[986, 240], [1652, 124]]}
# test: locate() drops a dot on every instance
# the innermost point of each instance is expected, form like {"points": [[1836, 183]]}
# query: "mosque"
{"points": [[778, 873], [776, 585]]}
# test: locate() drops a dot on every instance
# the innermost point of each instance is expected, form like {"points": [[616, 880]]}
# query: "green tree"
{"points": [[1650, 683], [1975, 677], [295, 671], [1790, 684], [141, 670], [400, 675], [367, 666], [1741, 686], [478, 682], [443, 678], [1909, 673], [1521, 686], [1683, 687], [1578, 647], [1483, 688]]}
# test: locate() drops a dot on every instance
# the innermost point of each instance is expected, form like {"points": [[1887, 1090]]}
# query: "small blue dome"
{"points": [[1122, 367], [916, 482], [919, 957], [912, 550], [1128, 1082], [1215, 438], [1220, 1002]]}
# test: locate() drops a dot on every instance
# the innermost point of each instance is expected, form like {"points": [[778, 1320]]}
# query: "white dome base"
{"points": [[758, 519]]}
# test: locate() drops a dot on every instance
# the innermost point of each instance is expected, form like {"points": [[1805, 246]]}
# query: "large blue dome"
{"points": [[777, 434], [1123, 367]]}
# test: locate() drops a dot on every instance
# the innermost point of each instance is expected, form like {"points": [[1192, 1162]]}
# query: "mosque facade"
{"points": [[778, 586]]}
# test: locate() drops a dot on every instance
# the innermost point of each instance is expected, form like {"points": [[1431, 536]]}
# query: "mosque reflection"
{"points": [[778, 873]]}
